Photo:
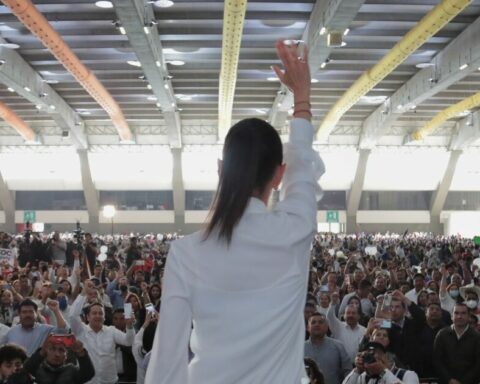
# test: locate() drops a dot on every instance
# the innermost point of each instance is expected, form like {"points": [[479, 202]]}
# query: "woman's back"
{"points": [[244, 295]]}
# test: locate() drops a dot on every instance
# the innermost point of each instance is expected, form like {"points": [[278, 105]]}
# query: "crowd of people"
{"points": [[379, 308]]}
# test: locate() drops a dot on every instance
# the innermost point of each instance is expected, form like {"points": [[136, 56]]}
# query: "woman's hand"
{"points": [[295, 76]]}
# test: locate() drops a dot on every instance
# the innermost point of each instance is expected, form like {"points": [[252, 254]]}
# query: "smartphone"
{"points": [[150, 308], [386, 324], [127, 310], [66, 340]]}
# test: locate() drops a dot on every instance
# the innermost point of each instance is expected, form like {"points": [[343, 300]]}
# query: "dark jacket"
{"points": [[455, 358], [404, 341], [65, 374]]}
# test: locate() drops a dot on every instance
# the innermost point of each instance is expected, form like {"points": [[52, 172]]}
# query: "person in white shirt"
{"points": [[418, 285], [349, 332], [243, 280], [374, 366], [99, 340]]}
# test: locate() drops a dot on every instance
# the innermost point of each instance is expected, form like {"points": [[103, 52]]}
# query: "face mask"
{"points": [[472, 304], [453, 293], [62, 303]]}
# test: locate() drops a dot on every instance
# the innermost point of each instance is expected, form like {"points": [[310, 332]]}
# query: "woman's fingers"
{"points": [[280, 73]]}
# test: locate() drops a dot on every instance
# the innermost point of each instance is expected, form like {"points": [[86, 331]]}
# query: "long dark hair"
{"points": [[251, 154]]}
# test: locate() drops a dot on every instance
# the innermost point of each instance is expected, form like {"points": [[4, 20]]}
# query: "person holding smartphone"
{"points": [[243, 280], [48, 364]]}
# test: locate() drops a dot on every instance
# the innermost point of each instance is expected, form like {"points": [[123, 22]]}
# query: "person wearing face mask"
{"points": [[470, 294], [448, 294]]}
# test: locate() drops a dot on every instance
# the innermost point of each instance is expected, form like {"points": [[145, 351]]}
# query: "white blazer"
{"points": [[245, 301]]}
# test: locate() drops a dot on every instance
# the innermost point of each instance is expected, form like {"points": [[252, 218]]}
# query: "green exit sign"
{"points": [[30, 216], [333, 217]]}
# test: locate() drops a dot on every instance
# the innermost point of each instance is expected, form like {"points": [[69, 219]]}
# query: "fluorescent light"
{"points": [[27, 89], [146, 30], [166, 86], [314, 81], [158, 64], [345, 33], [163, 3], [323, 65], [149, 86], [38, 107], [322, 31], [10, 89], [104, 4], [159, 105], [52, 107], [10, 45], [344, 43], [134, 63], [152, 98], [51, 81], [463, 66], [262, 111], [122, 30], [176, 62], [273, 78]]}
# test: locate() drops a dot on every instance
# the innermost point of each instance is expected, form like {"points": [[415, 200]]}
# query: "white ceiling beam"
{"points": [[136, 17], [334, 15], [444, 71], [17, 74]]}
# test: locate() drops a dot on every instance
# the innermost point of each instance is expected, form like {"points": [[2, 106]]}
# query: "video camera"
{"points": [[27, 233], [78, 235]]}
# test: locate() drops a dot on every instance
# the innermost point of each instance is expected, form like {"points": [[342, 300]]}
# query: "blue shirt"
{"points": [[30, 338]]}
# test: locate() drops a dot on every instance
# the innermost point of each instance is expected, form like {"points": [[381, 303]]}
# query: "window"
{"points": [[198, 200], [50, 200], [395, 200], [138, 200]]}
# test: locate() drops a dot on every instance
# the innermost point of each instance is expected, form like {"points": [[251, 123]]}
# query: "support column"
{"points": [[91, 194], [178, 189], [356, 190], [7, 199], [440, 195]]}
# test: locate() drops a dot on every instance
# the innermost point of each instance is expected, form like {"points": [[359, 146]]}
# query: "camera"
{"points": [[78, 234], [369, 356]]}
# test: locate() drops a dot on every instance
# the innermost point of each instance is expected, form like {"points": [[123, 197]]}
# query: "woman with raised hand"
{"points": [[242, 281]]}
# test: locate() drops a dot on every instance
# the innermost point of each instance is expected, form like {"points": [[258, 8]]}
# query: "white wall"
{"points": [[466, 223]]}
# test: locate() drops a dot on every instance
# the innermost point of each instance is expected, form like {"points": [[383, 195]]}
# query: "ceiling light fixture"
{"points": [[149, 86], [424, 65], [158, 64], [176, 62], [346, 32], [323, 30], [324, 64], [163, 3], [52, 107], [134, 63], [273, 78], [152, 98], [10, 89], [2, 62], [27, 89], [314, 81], [146, 29], [104, 4], [51, 81], [463, 66], [9, 45]]}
